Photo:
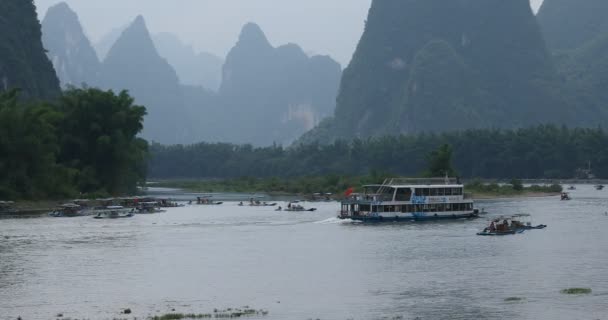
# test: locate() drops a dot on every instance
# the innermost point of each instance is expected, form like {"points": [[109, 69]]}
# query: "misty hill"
{"points": [[23, 62], [274, 94], [70, 51], [134, 64], [434, 65], [194, 69], [103, 46], [577, 31], [570, 24]]}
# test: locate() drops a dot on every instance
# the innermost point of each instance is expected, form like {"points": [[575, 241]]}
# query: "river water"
{"points": [[308, 265]]}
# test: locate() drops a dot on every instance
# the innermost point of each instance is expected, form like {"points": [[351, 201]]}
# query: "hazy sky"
{"points": [[320, 26]]}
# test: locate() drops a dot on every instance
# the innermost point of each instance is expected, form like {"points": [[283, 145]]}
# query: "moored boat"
{"points": [[7, 207], [400, 199], [68, 210], [149, 207], [114, 212]]}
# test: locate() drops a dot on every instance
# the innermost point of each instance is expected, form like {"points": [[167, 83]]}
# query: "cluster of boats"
{"points": [[112, 208]]}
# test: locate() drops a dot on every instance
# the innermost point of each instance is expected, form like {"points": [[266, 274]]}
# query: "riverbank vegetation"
{"points": [[337, 185], [547, 152], [84, 143]]}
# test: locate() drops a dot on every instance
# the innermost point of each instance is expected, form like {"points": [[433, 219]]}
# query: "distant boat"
{"points": [[599, 187], [114, 212], [565, 196], [571, 188], [7, 207], [149, 208], [258, 204], [294, 207], [68, 210]]}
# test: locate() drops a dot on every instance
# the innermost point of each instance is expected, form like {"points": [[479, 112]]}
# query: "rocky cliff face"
{"points": [[70, 51], [134, 64], [433, 65], [23, 62], [279, 89]]}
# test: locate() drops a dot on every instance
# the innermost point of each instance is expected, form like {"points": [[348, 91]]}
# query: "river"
{"points": [[309, 265]]}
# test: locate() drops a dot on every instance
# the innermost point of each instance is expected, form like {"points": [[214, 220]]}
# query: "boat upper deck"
{"points": [[433, 190]]}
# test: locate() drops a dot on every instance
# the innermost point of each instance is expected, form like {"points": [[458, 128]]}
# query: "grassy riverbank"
{"points": [[337, 185]]}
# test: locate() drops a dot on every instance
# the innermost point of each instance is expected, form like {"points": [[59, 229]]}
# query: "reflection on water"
{"points": [[308, 265]]}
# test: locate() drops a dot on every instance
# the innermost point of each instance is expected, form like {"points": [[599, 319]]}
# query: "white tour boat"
{"points": [[409, 200]]}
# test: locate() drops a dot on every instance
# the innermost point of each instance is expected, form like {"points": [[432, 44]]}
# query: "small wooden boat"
{"points": [[149, 208], [298, 208], [114, 212], [258, 204], [538, 227], [68, 210], [499, 233]]}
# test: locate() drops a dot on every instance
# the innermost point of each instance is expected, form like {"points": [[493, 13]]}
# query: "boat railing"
{"points": [[419, 181]]}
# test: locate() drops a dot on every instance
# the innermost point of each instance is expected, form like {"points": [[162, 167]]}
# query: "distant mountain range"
{"points": [[70, 51], [260, 95], [23, 63], [435, 65], [421, 66]]}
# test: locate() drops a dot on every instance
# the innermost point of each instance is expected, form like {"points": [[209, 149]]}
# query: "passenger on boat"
{"points": [[492, 227]]}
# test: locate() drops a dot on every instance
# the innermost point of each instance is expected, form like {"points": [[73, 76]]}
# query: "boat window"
{"points": [[448, 207], [403, 194], [441, 192], [432, 192], [441, 207], [448, 191], [364, 207], [457, 191]]}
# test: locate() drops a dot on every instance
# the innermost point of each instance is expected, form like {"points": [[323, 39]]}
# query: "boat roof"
{"points": [[70, 205], [399, 186], [115, 207]]}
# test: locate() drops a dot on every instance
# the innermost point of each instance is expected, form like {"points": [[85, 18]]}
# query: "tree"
{"points": [[99, 139], [440, 162]]}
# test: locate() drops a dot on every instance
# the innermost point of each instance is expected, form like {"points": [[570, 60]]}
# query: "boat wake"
{"points": [[336, 221]]}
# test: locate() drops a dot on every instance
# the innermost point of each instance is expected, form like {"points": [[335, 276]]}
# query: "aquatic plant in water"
{"points": [[576, 291]]}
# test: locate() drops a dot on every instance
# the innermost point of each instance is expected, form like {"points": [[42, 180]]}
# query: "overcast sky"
{"points": [[320, 26]]}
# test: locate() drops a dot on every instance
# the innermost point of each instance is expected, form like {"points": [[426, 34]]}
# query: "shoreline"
{"points": [[485, 196]]}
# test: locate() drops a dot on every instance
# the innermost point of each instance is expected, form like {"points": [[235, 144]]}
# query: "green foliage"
{"points": [[517, 185], [84, 143], [537, 152], [515, 188], [99, 139], [440, 162], [576, 291]]}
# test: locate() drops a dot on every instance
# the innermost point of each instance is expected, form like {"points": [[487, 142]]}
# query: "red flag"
{"points": [[349, 191]]}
